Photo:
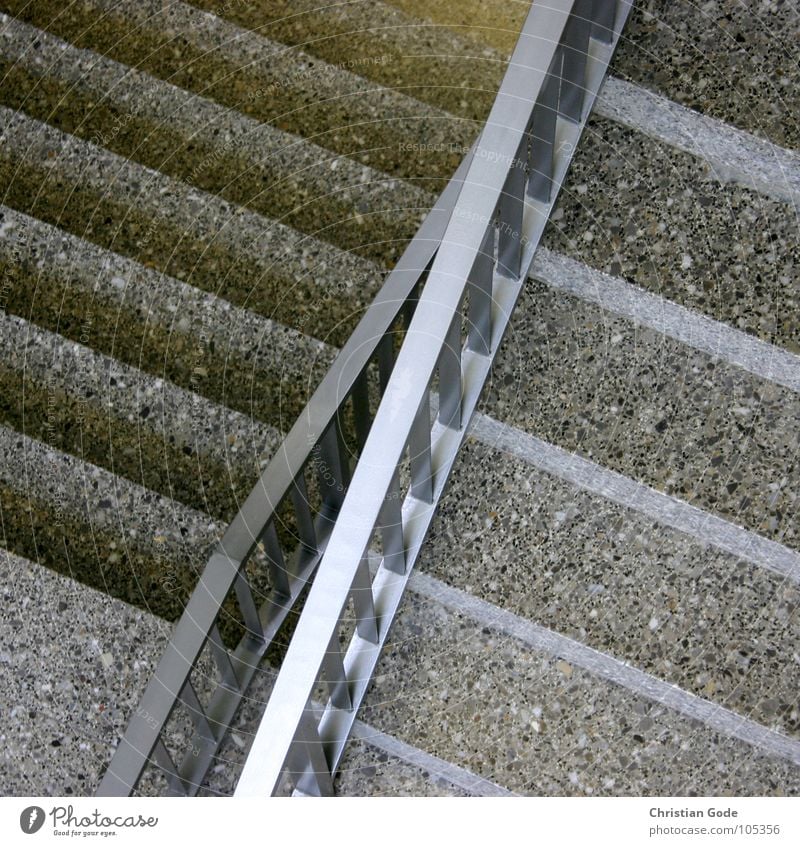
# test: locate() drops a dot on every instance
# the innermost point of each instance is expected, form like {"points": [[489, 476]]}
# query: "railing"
{"points": [[479, 265], [315, 447]]}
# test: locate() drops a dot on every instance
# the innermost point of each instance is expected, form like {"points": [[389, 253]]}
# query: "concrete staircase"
{"points": [[200, 199]]}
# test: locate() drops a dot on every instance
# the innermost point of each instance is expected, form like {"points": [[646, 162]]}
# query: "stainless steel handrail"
{"points": [[316, 438], [476, 276]]}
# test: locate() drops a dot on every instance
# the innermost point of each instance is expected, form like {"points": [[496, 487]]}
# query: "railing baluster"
{"points": [[223, 659], [361, 411], [575, 47], [364, 603], [335, 676], [164, 762], [391, 525], [191, 702], [543, 137], [605, 14], [248, 607], [313, 775], [280, 575], [419, 451], [479, 339], [450, 384], [302, 511], [385, 353], [512, 206]]}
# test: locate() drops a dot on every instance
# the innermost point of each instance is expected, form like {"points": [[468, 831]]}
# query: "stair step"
{"points": [[75, 663], [137, 426], [156, 323], [539, 725], [287, 88], [383, 44], [607, 576], [103, 530], [731, 60], [637, 208], [645, 405], [174, 228], [207, 145]]}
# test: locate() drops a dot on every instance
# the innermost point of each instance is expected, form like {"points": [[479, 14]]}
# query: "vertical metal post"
{"points": [[419, 452], [605, 15], [361, 411], [479, 286], [281, 578], [302, 511], [543, 135], [575, 47], [248, 607], [450, 384], [391, 526], [335, 678], [332, 468], [364, 603], [511, 206], [313, 776]]}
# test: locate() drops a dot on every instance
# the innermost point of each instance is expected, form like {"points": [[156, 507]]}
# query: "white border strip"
{"points": [[667, 510], [437, 768], [713, 716], [732, 154], [764, 360]]}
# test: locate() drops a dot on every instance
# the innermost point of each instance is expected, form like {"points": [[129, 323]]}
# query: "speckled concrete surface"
{"points": [[606, 576], [651, 408], [156, 323], [101, 529], [332, 103], [733, 59], [187, 233], [383, 44], [214, 148], [627, 398], [146, 429], [538, 726], [642, 210], [74, 664]]}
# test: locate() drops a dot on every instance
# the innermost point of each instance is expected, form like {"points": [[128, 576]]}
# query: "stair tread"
{"points": [[539, 725], [213, 147], [75, 662]]}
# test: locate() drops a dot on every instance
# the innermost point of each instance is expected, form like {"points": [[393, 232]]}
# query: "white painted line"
{"points": [[732, 154], [667, 510], [758, 357], [715, 717], [457, 776]]}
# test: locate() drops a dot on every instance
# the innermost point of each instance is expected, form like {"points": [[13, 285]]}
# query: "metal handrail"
{"points": [[315, 439], [507, 194]]}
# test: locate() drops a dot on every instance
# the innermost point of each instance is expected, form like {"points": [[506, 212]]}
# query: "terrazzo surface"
{"points": [[606, 576], [736, 60], [542, 726], [651, 408], [74, 664], [641, 210]]}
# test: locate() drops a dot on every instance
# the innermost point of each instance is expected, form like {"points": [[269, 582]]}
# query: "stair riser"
{"points": [[192, 236], [254, 77], [371, 220]]}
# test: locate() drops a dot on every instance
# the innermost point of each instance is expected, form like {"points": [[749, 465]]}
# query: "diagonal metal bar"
{"points": [[436, 313]]}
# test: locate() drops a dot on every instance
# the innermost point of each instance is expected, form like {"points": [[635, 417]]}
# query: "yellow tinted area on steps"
{"points": [[496, 23]]}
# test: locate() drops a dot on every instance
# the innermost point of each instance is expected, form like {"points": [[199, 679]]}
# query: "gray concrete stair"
{"points": [[186, 244]]}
